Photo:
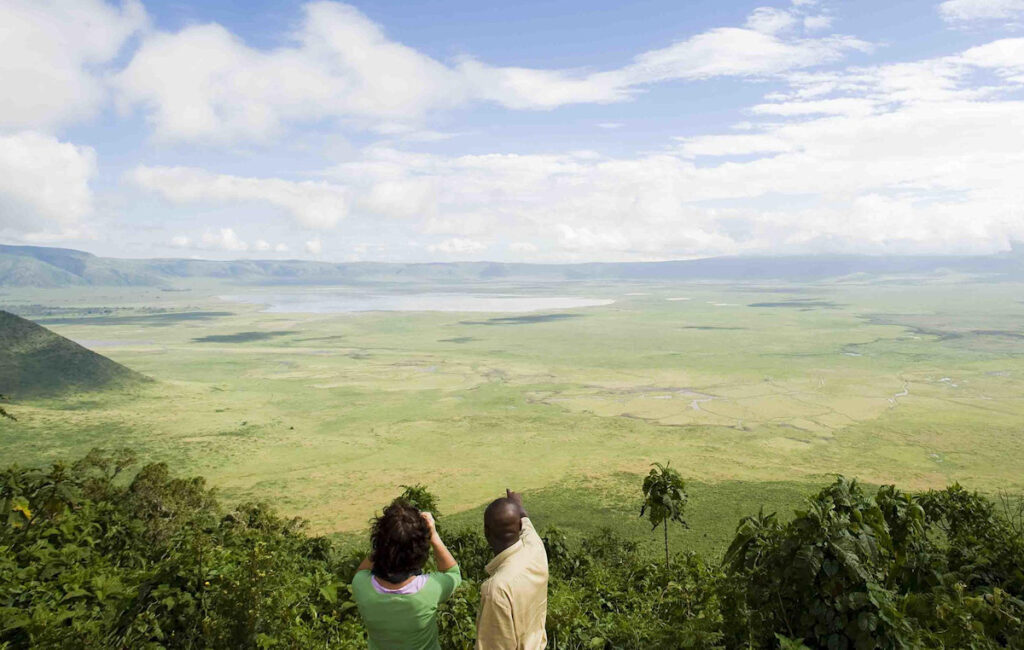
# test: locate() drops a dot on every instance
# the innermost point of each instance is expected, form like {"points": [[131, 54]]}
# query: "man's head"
{"points": [[502, 524]]}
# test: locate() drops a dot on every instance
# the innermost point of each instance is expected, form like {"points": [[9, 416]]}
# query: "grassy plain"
{"points": [[757, 393]]}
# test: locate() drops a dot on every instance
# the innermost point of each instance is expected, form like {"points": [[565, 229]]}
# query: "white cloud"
{"points": [[770, 20], [526, 88], [817, 23], [53, 54], [759, 50], [204, 83], [730, 51], [411, 133], [223, 239], [955, 11], [228, 240], [523, 247], [458, 246], [1005, 56], [903, 157], [44, 185], [838, 106], [907, 157], [733, 145], [314, 204]]}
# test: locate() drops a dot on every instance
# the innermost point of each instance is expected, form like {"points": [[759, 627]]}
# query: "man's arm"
{"points": [[528, 533], [517, 499], [495, 627], [532, 542]]}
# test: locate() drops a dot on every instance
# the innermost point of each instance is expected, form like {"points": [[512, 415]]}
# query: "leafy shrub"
{"points": [[92, 555], [940, 570]]}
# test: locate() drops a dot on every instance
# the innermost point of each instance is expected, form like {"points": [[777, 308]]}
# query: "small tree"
{"points": [[664, 499], [4, 413], [419, 496], [423, 499]]}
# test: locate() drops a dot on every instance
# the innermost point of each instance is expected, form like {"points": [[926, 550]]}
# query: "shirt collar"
{"points": [[500, 558]]}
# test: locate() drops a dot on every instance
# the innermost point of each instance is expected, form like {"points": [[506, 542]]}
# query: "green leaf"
{"points": [[330, 593]]}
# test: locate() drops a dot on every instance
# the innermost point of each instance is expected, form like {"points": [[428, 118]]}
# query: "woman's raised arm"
{"points": [[443, 557]]}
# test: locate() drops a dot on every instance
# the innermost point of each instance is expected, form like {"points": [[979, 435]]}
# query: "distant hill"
{"points": [[39, 266], [35, 362], [36, 266]]}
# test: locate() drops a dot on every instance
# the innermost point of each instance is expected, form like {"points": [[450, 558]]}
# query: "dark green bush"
{"points": [[94, 556], [940, 570]]}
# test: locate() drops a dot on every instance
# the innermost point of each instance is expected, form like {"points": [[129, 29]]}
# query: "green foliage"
{"points": [[605, 594], [94, 555], [786, 643], [664, 499], [156, 562], [940, 570], [819, 578], [419, 496]]}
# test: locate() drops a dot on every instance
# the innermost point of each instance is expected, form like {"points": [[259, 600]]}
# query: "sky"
{"points": [[530, 131]]}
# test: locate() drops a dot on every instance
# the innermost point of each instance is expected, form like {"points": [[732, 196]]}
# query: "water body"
{"points": [[338, 302]]}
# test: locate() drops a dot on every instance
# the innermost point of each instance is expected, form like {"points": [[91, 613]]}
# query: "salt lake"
{"points": [[324, 302]]}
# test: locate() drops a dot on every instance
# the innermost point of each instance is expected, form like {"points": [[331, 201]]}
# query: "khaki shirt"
{"points": [[514, 600]]}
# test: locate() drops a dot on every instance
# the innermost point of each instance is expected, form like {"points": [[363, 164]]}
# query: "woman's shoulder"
{"points": [[446, 581], [455, 571], [361, 580]]}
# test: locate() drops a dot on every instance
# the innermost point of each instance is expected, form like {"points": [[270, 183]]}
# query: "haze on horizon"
{"points": [[530, 133]]}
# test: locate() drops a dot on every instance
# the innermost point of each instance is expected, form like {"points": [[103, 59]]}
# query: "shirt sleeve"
{"points": [[495, 626], [360, 583], [449, 581], [533, 544], [529, 533]]}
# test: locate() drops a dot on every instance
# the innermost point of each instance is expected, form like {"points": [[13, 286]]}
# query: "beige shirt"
{"points": [[514, 600]]}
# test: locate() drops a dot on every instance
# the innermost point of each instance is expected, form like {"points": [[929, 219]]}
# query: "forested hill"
{"points": [[35, 362], [34, 266]]}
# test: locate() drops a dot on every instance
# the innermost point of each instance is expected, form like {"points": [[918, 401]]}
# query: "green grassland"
{"points": [[756, 393]]}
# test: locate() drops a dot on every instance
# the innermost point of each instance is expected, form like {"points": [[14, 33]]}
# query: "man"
{"points": [[514, 599]]}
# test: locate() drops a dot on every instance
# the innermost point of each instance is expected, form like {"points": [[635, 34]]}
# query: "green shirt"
{"points": [[404, 621]]}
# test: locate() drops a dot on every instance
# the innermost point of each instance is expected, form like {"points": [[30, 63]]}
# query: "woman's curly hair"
{"points": [[400, 540]]}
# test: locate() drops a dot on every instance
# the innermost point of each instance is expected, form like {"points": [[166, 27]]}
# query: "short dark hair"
{"points": [[401, 542]]}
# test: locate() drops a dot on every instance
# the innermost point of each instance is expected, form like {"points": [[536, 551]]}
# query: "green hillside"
{"points": [[39, 266], [35, 362]]}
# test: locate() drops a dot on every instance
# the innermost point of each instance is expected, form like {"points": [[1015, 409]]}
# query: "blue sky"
{"points": [[530, 131]]}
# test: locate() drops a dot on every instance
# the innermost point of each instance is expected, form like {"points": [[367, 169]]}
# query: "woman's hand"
{"points": [[429, 518]]}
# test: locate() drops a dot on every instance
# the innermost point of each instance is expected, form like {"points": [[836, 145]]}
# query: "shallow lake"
{"points": [[338, 302]]}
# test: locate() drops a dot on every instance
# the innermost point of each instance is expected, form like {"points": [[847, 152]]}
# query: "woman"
{"points": [[397, 601]]}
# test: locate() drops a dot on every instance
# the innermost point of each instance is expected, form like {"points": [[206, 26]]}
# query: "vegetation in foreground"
{"points": [[95, 555]]}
